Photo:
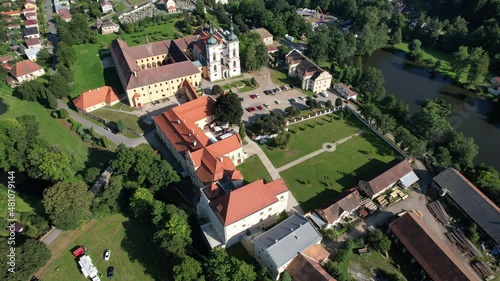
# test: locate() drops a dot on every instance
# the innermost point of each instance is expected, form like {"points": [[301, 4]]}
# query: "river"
{"points": [[414, 83]]}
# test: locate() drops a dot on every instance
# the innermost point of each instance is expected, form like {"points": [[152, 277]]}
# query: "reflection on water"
{"points": [[413, 84]]}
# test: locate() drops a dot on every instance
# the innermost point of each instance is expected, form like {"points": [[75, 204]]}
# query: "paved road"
{"points": [[51, 237], [116, 139]]}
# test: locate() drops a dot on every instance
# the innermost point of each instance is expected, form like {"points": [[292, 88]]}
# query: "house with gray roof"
{"points": [[461, 193], [277, 247]]}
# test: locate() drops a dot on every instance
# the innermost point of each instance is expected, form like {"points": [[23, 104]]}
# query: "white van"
{"points": [[324, 94]]}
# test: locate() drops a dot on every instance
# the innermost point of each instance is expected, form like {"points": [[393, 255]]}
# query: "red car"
{"points": [[346, 102], [253, 96], [252, 108], [259, 107]]}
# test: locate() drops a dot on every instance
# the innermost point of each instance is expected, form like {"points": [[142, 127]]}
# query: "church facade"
{"points": [[157, 70]]}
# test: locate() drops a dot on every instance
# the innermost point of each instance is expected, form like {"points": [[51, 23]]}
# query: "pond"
{"points": [[414, 83]]}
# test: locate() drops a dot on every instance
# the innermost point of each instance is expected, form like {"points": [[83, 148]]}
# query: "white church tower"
{"points": [[233, 46], [215, 57]]}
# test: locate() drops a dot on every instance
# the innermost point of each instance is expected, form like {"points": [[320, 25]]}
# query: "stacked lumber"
{"points": [[438, 211], [483, 270], [457, 237]]}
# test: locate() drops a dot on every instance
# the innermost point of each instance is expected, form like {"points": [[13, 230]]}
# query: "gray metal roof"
{"points": [[288, 238], [472, 201]]}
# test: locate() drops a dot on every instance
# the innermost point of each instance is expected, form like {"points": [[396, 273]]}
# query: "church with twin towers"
{"points": [[157, 70]]}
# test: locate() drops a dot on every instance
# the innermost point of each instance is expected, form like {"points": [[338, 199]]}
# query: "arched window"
{"points": [[215, 57], [221, 61], [143, 67], [149, 65], [234, 63], [215, 67], [234, 52], [154, 64]]}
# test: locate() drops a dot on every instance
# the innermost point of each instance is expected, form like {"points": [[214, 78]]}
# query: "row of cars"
{"points": [[258, 107], [278, 89]]}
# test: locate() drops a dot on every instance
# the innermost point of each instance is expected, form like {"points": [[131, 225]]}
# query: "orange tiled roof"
{"points": [[24, 67], [11, 13], [104, 94], [303, 268], [317, 252], [32, 41], [244, 201]]}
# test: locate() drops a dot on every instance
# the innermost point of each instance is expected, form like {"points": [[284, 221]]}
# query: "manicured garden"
{"points": [[129, 242], [253, 169], [309, 136], [319, 180], [162, 30]]}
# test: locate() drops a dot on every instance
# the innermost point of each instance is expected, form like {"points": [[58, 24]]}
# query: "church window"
{"points": [[234, 63], [154, 64], [215, 67], [234, 52], [215, 57]]}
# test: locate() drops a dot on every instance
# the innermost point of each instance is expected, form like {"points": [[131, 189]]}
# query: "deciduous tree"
{"points": [[189, 269], [30, 255], [228, 109]]}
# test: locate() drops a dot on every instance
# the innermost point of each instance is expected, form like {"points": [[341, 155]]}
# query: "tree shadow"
{"points": [[98, 157], [320, 199]]}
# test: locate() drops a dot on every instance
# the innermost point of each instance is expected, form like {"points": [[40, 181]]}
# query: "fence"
{"points": [[314, 115]]}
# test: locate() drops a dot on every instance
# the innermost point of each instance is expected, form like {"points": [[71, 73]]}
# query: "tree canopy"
{"points": [[228, 109], [221, 267], [30, 255], [67, 203]]}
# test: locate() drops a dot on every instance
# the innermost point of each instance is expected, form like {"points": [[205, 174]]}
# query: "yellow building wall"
{"points": [[143, 63], [159, 90]]}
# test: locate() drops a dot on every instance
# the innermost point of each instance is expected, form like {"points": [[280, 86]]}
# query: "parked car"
{"points": [[266, 105], [316, 96], [107, 255], [260, 107], [253, 96], [277, 101], [302, 98], [293, 100], [252, 108], [324, 94], [111, 271], [257, 95]]}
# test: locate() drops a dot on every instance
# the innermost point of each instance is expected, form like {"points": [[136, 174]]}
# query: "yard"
{"points": [[239, 86], [253, 169], [154, 31], [324, 129], [319, 180], [131, 121], [366, 265], [130, 244], [51, 130]]}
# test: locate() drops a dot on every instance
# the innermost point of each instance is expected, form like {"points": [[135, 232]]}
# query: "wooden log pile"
{"points": [[438, 211], [457, 237], [483, 270]]}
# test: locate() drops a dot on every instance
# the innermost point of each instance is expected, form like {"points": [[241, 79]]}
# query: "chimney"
{"points": [[296, 237], [221, 158], [291, 229], [189, 134], [192, 130], [195, 143], [178, 121], [135, 73]]}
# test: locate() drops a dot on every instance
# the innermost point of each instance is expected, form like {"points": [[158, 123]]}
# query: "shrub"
{"points": [[54, 114], [63, 113], [105, 142], [120, 126], [75, 126]]}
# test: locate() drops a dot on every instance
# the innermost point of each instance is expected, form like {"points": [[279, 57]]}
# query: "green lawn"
{"points": [[154, 31], [374, 261], [281, 77], [118, 6], [51, 130], [24, 204], [132, 251], [88, 71], [122, 106], [131, 121], [144, 146], [319, 180], [253, 169], [431, 55], [309, 136]]}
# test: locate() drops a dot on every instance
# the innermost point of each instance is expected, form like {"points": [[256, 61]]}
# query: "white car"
{"points": [[302, 98], [107, 254], [324, 94], [277, 101]]}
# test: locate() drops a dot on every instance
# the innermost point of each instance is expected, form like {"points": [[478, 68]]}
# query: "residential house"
{"points": [[30, 23], [13, 13], [30, 16], [15, 227], [232, 211], [494, 87], [31, 32], [313, 77], [25, 11], [222, 1], [61, 4], [305, 268], [277, 247], [400, 173], [6, 59], [345, 91], [26, 70], [108, 27], [13, 26], [265, 35], [467, 198], [336, 212], [33, 43], [32, 53], [30, 4], [433, 254], [95, 99], [185, 130], [106, 7], [170, 6], [64, 14]]}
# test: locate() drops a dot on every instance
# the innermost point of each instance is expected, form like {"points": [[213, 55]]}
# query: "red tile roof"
{"points": [[303, 268], [106, 3], [64, 14], [32, 42], [244, 201], [317, 253], [6, 66], [390, 176], [6, 58], [333, 212], [30, 22], [433, 255], [11, 13], [104, 94], [24, 67]]}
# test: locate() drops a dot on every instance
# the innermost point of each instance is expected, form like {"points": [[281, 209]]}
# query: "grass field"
{"points": [[281, 78], [154, 31], [431, 55], [132, 251], [87, 71], [369, 263], [253, 169], [309, 136], [51, 130], [122, 106], [131, 121], [319, 180], [118, 6], [24, 204]]}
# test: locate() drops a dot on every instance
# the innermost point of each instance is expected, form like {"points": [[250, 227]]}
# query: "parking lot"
{"points": [[256, 103]]}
